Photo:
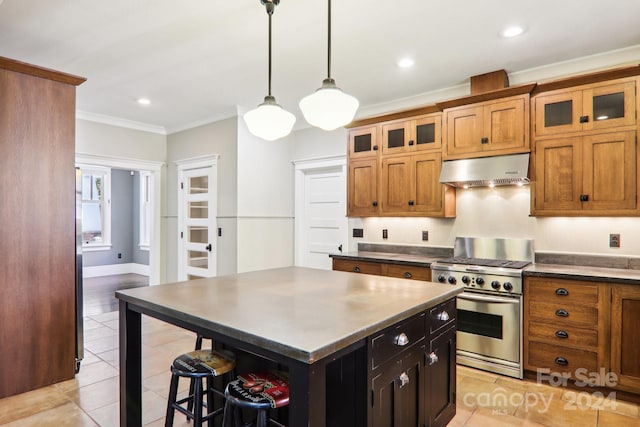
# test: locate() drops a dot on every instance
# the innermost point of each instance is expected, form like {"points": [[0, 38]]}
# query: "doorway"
{"points": [[321, 224]]}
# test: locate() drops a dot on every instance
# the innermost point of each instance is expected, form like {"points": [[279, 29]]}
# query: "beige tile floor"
{"points": [[91, 399]]}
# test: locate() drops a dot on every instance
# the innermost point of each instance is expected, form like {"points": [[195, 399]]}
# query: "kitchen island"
{"points": [[303, 319]]}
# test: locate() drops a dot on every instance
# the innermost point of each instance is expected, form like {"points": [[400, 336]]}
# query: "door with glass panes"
{"points": [[197, 223]]}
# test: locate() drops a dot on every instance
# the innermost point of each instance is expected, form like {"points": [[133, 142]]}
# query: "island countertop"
{"points": [[302, 313]]}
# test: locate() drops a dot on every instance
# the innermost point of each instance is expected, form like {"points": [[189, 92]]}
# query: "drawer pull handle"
{"points": [[562, 334], [443, 316], [561, 361], [562, 313], [433, 358], [401, 340], [356, 269], [562, 292], [407, 275], [404, 379]]}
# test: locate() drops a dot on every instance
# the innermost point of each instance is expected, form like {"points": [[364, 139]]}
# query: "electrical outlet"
{"points": [[119, 255], [385, 234], [614, 240], [425, 235], [358, 232]]}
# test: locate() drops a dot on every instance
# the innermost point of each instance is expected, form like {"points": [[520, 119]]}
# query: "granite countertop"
{"points": [[303, 313], [594, 268]]}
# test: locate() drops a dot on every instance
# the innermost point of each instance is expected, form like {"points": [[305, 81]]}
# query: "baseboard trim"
{"points": [[113, 269]]}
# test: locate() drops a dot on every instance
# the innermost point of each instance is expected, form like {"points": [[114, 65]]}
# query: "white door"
{"points": [[320, 215], [197, 222]]}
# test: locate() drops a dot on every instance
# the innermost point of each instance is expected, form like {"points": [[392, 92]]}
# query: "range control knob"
{"points": [[465, 280], [479, 281], [441, 278], [507, 286], [495, 284], [452, 280]]}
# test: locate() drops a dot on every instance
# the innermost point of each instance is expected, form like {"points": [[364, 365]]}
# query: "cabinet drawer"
{"points": [[586, 339], [562, 292], [389, 342], [441, 316], [567, 314], [357, 266], [409, 272], [560, 359]]}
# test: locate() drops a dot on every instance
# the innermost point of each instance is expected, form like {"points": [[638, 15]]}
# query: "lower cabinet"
{"points": [[412, 371], [383, 269], [625, 336]]}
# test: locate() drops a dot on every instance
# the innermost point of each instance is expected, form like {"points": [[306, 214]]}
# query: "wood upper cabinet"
{"points": [[588, 175], [362, 187], [625, 338], [363, 142], [594, 107], [410, 186], [488, 128], [422, 133]]}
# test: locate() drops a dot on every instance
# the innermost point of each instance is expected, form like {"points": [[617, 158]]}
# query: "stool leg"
{"points": [[197, 404], [173, 392], [210, 405], [192, 382], [262, 418], [227, 417]]}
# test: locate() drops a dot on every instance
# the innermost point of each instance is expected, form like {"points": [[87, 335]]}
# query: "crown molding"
{"points": [[117, 121]]}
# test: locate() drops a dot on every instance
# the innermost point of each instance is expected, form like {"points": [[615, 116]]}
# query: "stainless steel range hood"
{"points": [[486, 171]]}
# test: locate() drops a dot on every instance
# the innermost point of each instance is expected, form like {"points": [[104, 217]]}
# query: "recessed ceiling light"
{"points": [[406, 63], [144, 101], [512, 31]]}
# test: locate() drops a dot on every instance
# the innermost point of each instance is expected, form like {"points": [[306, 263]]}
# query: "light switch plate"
{"points": [[385, 234]]}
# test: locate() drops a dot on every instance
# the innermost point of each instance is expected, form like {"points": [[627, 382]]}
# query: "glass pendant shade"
{"points": [[269, 120], [329, 107]]}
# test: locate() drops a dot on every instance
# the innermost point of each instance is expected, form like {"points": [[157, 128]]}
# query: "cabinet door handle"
{"points": [[584, 119], [484, 140], [404, 379], [562, 292], [356, 269], [401, 340], [374, 203], [562, 313], [411, 142], [408, 275], [375, 148], [562, 334], [443, 316], [433, 358], [584, 197], [411, 202], [561, 361]]}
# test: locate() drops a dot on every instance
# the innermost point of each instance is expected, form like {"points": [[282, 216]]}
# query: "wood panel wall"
{"points": [[37, 228]]}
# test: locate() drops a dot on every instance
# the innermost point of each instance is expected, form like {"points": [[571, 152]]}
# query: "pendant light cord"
{"points": [[329, 42], [270, 13]]}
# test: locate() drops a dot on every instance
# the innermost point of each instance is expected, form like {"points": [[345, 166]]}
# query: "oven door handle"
{"points": [[481, 298]]}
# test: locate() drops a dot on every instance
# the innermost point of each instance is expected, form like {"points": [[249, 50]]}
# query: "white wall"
{"points": [[265, 201]]}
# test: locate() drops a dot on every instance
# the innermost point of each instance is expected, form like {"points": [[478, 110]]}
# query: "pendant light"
{"points": [[269, 120], [329, 107]]}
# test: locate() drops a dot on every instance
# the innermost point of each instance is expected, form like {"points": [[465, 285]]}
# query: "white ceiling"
{"points": [[197, 60]]}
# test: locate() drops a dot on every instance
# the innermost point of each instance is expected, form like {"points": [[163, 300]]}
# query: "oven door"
{"points": [[489, 325]]}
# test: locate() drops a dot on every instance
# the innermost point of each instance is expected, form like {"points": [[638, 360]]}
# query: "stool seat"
{"points": [[203, 363], [259, 390]]}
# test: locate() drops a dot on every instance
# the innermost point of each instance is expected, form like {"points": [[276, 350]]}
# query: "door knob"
{"points": [[340, 248], [208, 247]]}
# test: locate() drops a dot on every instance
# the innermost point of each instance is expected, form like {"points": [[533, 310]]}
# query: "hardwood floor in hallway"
{"points": [[99, 292]]}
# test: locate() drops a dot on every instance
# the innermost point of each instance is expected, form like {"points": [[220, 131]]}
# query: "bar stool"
{"points": [[197, 365], [259, 391]]}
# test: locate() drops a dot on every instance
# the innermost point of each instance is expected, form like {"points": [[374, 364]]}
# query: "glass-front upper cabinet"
{"points": [[363, 142], [422, 133], [592, 107]]}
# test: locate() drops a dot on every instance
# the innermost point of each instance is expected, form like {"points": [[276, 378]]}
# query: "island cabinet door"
{"points": [[396, 391], [440, 379]]}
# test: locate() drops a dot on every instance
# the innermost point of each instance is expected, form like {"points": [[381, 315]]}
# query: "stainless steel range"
{"points": [[489, 311]]}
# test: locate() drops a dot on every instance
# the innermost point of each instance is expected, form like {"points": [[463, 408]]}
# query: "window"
{"points": [[96, 207], [145, 209]]}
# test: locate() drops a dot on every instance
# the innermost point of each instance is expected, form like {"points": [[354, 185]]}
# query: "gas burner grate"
{"points": [[484, 262]]}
